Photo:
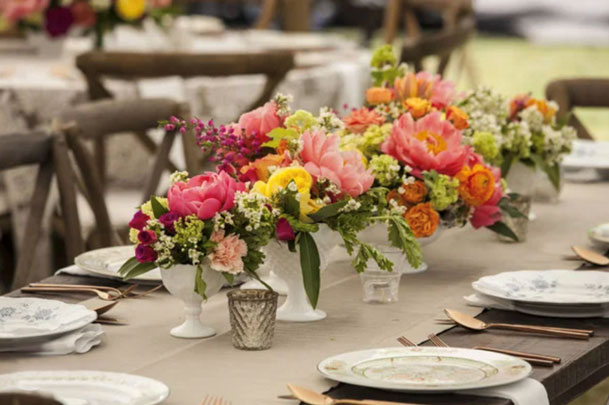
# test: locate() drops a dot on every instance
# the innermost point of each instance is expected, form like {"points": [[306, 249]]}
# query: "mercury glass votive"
{"points": [[252, 318], [519, 225], [380, 287]]}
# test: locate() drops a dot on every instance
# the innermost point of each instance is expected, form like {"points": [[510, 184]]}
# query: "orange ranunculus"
{"points": [[458, 117], [262, 166], [414, 192], [378, 95], [394, 195], [417, 107], [476, 185], [543, 107], [359, 120], [422, 219]]}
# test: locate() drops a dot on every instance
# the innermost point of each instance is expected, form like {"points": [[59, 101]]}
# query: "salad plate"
{"points": [[83, 387], [424, 369], [599, 234], [107, 262]]}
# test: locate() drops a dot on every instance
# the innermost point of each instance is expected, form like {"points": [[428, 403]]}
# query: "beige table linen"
{"points": [[195, 368]]}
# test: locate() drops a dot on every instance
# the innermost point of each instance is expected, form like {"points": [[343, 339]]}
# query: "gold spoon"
{"points": [[314, 398], [472, 323], [101, 294], [590, 256], [100, 307]]}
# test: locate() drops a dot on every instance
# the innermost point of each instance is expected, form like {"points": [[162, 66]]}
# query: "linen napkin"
{"points": [[79, 341], [524, 392], [74, 270]]}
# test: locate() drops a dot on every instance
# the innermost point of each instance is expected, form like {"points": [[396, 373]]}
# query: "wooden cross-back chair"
{"points": [[131, 66], [95, 122], [571, 93], [295, 14], [50, 153]]}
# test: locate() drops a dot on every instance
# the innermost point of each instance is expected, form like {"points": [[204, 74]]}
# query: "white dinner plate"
{"points": [[588, 154], [556, 287], [424, 369], [599, 234], [36, 318], [82, 387], [108, 261]]}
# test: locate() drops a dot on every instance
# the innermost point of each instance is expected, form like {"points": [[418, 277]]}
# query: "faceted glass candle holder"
{"points": [[252, 318], [380, 287], [519, 225]]}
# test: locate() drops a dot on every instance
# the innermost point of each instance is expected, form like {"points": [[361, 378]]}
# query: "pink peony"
{"points": [[204, 195], [489, 212], [430, 143], [322, 158], [160, 3], [260, 121], [427, 86], [228, 253], [15, 10], [359, 120]]}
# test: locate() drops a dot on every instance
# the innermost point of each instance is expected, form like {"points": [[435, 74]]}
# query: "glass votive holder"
{"points": [[252, 318], [518, 225], [380, 287]]}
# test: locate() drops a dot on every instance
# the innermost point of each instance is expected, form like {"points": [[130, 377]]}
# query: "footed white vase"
{"points": [[286, 265], [180, 282]]}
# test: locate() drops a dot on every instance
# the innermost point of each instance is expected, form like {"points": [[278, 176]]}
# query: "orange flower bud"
{"points": [[417, 107], [422, 219], [458, 117], [378, 95], [476, 186], [414, 192]]}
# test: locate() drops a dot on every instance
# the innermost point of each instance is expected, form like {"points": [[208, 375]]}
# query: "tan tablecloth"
{"points": [[195, 368]]}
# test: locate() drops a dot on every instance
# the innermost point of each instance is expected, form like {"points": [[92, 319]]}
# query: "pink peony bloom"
{"points": [[359, 120], [489, 212], [430, 143], [427, 86], [228, 253], [15, 10], [322, 158], [204, 195], [261, 121]]}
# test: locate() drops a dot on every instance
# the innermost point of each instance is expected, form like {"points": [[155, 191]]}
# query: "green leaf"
{"points": [[502, 229], [157, 208], [277, 135], [327, 211], [400, 236], [506, 164], [506, 205], [552, 170], [309, 264], [127, 266], [230, 279], [367, 252], [136, 269], [200, 284], [257, 277], [292, 206]]}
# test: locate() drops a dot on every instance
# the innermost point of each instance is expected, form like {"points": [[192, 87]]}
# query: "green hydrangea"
{"points": [[189, 231], [301, 120], [385, 169], [484, 143], [383, 56], [372, 139], [442, 190]]}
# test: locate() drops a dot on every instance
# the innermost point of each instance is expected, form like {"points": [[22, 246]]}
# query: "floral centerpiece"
{"points": [[523, 129], [412, 133], [315, 190], [57, 18], [209, 229]]}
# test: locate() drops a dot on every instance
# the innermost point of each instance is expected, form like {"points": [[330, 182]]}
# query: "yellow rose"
{"points": [[147, 206], [282, 177], [130, 10]]}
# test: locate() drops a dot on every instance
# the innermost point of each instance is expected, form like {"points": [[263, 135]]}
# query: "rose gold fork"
{"points": [[212, 400], [405, 342]]}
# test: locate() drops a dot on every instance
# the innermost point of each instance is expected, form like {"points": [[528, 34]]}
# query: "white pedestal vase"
{"points": [[45, 46], [286, 265], [376, 235], [269, 277], [180, 282]]}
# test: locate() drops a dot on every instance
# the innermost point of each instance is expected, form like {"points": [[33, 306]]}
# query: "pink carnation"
{"points": [[204, 195], [228, 253], [15, 10], [430, 143], [261, 121], [322, 158]]}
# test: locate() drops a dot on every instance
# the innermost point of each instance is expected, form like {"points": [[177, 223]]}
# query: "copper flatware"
{"points": [[314, 398], [104, 295], [590, 256], [472, 323], [588, 332], [211, 400], [553, 359], [405, 342], [110, 321]]}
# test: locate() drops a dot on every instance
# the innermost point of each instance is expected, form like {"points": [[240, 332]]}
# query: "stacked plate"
{"points": [[588, 155], [107, 261], [425, 369], [29, 320], [552, 293]]}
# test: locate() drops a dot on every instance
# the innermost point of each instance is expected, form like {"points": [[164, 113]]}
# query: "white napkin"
{"points": [[74, 270], [525, 392], [79, 341]]}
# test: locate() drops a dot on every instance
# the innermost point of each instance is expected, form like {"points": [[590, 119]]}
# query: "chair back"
{"points": [[49, 152], [9, 398], [571, 93], [295, 15]]}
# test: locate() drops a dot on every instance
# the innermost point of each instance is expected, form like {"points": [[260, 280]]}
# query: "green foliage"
{"points": [[230, 279], [401, 236], [300, 226], [157, 208], [502, 229], [551, 169], [506, 206], [367, 252], [327, 211], [132, 268], [309, 264], [279, 134], [200, 284], [384, 66]]}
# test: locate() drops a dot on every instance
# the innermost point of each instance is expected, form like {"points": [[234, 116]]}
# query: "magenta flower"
{"points": [[284, 230], [168, 219], [139, 221], [146, 237], [145, 254], [58, 21]]}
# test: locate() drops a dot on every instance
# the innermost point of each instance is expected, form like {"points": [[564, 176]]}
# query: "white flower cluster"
{"points": [[517, 138], [195, 256], [395, 208], [163, 247], [486, 109], [283, 102], [252, 207], [352, 205], [221, 219], [392, 110], [533, 118], [557, 142], [178, 176], [329, 121]]}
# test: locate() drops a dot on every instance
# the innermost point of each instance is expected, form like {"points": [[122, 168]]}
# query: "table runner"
{"points": [[193, 369]]}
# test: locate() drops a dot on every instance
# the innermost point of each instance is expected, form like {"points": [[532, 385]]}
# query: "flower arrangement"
{"points": [[57, 18], [523, 129], [209, 219], [294, 160], [411, 132]]}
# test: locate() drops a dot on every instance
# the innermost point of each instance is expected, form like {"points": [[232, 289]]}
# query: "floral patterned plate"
{"points": [[82, 387], [30, 318], [107, 261], [424, 369]]}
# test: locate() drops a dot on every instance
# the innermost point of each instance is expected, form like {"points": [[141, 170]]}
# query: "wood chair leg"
{"points": [[151, 146], [161, 162], [267, 13], [392, 19]]}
